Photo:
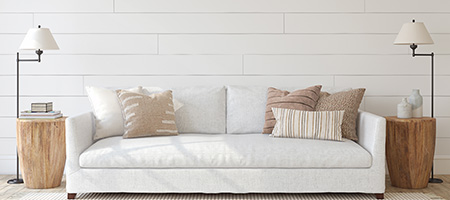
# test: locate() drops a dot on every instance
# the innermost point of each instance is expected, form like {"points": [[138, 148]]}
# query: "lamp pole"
{"points": [[431, 55]]}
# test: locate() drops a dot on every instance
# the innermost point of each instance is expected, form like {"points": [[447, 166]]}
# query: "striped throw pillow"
{"points": [[322, 125], [147, 115]]}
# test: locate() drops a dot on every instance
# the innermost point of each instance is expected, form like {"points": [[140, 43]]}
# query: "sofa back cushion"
{"points": [[246, 106], [203, 109]]}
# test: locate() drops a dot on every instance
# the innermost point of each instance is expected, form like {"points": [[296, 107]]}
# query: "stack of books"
{"points": [[41, 111], [27, 114], [42, 107]]}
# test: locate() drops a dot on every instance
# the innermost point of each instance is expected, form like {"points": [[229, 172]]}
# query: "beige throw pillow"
{"points": [[322, 125], [305, 99], [147, 115], [348, 101]]}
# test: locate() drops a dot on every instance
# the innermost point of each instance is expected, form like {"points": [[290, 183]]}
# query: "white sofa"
{"points": [[220, 150]]}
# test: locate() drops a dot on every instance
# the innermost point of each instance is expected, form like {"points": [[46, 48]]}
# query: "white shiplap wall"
{"points": [[222, 42]]}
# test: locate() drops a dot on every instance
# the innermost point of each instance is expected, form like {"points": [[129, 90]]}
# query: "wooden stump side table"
{"points": [[41, 145], [410, 147]]}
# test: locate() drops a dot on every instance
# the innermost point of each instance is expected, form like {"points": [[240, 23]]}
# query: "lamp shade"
{"points": [[39, 38], [413, 33]]}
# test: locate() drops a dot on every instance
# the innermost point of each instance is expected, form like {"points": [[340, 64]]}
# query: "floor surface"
{"points": [[8, 191]]}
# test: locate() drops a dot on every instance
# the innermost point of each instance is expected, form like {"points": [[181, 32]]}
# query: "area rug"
{"points": [[128, 196]]}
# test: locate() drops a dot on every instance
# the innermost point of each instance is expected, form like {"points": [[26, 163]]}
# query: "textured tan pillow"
{"points": [[305, 99], [348, 101], [321, 125], [147, 115]]}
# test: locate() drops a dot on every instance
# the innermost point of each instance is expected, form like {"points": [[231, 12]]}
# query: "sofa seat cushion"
{"points": [[223, 151]]}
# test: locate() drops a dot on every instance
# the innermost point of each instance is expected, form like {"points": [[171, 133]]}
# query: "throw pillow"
{"points": [[107, 112], [322, 125], [305, 99], [147, 115], [348, 101]]}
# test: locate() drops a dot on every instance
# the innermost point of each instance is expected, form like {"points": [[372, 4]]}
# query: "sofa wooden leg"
{"points": [[71, 195], [379, 196]]}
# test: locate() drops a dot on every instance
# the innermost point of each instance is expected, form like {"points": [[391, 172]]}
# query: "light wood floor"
{"points": [[17, 191]]}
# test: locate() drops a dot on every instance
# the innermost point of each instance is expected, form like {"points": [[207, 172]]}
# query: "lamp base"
{"points": [[435, 180], [15, 181]]}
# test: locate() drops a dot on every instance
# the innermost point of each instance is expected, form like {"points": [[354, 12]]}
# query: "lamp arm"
{"points": [[38, 52]]}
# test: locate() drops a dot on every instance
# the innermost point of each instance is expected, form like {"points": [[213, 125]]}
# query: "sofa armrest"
{"points": [[80, 131], [371, 131]]}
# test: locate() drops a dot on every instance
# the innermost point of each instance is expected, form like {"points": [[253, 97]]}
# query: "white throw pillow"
{"points": [[107, 111]]}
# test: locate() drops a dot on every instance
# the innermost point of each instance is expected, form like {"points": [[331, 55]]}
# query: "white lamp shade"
{"points": [[39, 38], [413, 33]]}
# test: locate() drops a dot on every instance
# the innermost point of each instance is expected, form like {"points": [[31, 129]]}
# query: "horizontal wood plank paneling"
{"points": [[51, 85], [7, 146], [443, 127], [442, 85], [56, 6], [126, 43], [9, 81], [361, 23], [279, 44], [337, 64], [387, 106], [130, 81], [7, 64], [443, 146], [238, 6], [135, 64], [376, 85], [15, 23], [439, 46], [407, 6], [8, 129], [89, 44], [43, 85], [10, 43], [442, 105], [7, 166], [106, 44], [8, 106], [441, 166], [162, 23]]}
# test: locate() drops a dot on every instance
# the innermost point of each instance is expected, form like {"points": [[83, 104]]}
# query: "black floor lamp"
{"points": [[36, 39], [413, 34]]}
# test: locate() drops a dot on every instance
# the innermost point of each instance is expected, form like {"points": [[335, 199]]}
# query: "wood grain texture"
{"points": [[42, 151], [410, 147]]}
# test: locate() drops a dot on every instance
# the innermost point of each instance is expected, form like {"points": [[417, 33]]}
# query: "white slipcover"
{"points": [[224, 151], [371, 130]]}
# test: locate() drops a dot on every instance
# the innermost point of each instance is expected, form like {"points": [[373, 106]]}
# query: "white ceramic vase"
{"points": [[404, 109], [416, 101]]}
